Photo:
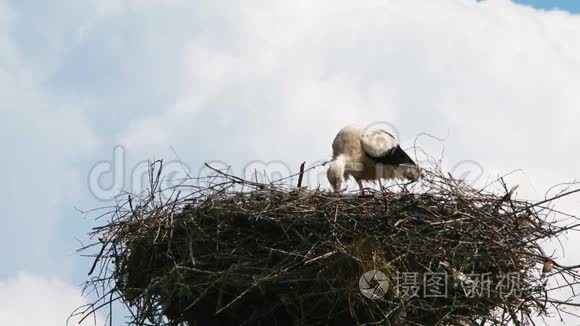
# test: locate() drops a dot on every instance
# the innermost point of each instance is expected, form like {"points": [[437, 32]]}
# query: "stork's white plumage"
{"points": [[368, 155]]}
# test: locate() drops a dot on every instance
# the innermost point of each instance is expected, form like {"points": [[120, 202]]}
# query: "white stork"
{"points": [[368, 155]]}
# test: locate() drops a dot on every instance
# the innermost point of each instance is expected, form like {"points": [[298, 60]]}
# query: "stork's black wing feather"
{"points": [[395, 156]]}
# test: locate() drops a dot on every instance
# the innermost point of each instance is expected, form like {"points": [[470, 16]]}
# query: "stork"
{"points": [[368, 154]]}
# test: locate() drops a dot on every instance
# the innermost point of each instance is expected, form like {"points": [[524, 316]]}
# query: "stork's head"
{"points": [[335, 173]]}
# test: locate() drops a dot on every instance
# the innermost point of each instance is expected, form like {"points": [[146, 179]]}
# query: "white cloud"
{"points": [[30, 300], [42, 139], [8, 59], [110, 7], [498, 76], [497, 79], [42, 136]]}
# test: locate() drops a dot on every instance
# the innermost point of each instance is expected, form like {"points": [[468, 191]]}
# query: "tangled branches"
{"points": [[232, 252]]}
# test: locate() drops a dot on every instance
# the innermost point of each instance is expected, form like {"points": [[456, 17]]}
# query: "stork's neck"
{"points": [[340, 159], [337, 165]]}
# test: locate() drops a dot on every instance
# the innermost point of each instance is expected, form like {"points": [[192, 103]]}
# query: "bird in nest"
{"points": [[368, 154]]}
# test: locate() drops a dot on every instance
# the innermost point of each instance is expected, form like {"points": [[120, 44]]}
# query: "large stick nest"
{"points": [[227, 251]]}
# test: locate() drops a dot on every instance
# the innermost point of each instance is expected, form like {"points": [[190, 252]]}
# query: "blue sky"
{"points": [[568, 5], [251, 83]]}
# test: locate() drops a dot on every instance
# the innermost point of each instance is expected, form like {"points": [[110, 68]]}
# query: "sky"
{"points": [[572, 6], [93, 89]]}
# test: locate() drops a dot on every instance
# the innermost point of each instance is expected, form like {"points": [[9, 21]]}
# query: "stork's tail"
{"points": [[402, 157]]}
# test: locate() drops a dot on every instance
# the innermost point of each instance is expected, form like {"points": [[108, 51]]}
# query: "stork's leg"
{"points": [[361, 187], [380, 184]]}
